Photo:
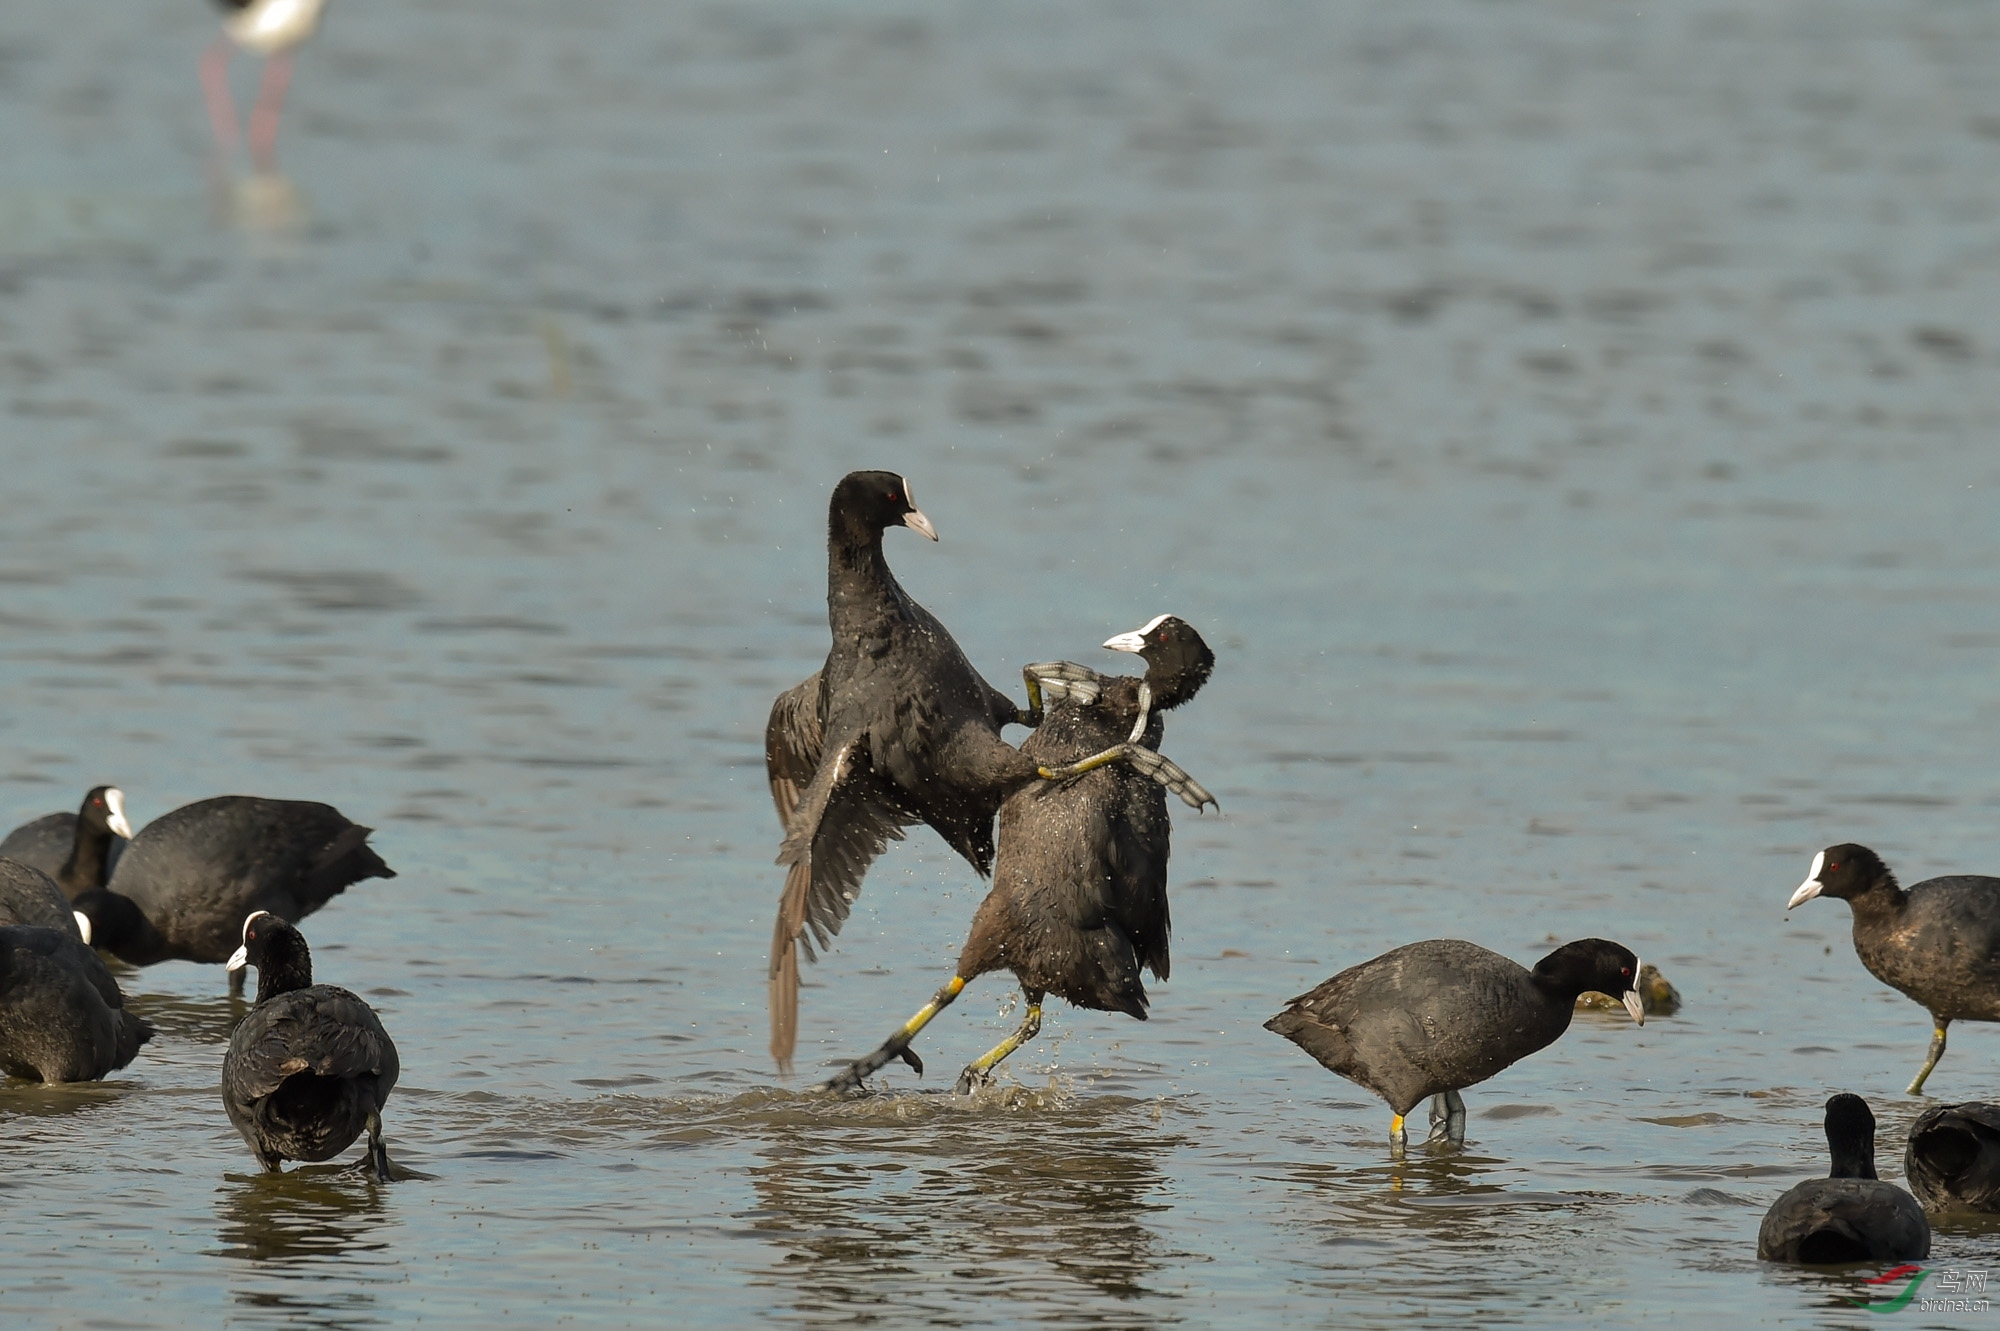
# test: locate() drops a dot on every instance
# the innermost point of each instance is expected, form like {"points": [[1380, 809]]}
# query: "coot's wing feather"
{"points": [[322, 1030], [793, 740]]}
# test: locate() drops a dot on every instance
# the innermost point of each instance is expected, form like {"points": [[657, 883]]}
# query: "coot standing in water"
{"points": [[310, 1068], [61, 1015], [1079, 899], [78, 849], [1849, 1216], [1952, 1161], [184, 885], [1432, 1018], [1938, 943], [895, 729]]}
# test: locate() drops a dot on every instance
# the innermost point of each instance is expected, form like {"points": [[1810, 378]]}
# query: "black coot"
{"points": [[1952, 1161], [29, 896], [78, 849], [895, 729], [184, 885], [310, 1068], [1938, 943], [1435, 1017], [1079, 900], [1849, 1216], [61, 1015]]}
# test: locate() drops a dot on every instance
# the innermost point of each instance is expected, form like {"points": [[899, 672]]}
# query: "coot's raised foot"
{"points": [[1143, 760]]}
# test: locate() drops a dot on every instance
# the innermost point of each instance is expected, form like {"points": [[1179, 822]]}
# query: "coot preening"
{"points": [[310, 1067], [29, 896], [1431, 1018], [1079, 899], [1849, 1216], [61, 1015], [895, 729], [272, 29], [1939, 942], [183, 886], [77, 849], [1952, 1161]]}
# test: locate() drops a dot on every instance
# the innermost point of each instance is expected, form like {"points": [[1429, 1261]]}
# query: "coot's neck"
{"points": [[87, 854], [1172, 684], [286, 965], [119, 927], [1853, 1158], [1882, 900], [858, 580]]}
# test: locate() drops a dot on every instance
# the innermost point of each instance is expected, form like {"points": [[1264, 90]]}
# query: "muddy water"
{"points": [[1574, 429]]}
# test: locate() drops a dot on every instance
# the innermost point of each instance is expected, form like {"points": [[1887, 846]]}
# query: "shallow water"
{"points": [[1573, 428]]}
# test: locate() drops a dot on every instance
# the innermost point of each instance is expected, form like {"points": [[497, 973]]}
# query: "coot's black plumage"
{"points": [[1952, 1161], [310, 1067], [61, 1015], [1849, 1216], [1938, 943], [29, 896], [897, 728], [185, 884], [1431, 1018], [78, 849], [1079, 900]]}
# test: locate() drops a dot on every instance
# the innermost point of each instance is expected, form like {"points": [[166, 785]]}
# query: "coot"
{"points": [[895, 729], [185, 883], [78, 849], [1939, 942], [310, 1067], [1079, 899], [1432, 1018], [1952, 1161], [29, 896], [61, 1015], [1849, 1216]]}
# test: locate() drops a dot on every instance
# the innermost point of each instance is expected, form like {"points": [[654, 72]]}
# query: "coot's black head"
{"points": [[1178, 662], [1850, 1137], [104, 810], [1842, 871], [866, 503], [277, 950], [1594, 966], [107, 919]]}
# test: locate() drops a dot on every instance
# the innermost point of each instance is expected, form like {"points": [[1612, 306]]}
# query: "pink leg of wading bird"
{"points": [[264, 114], [215, 87]]}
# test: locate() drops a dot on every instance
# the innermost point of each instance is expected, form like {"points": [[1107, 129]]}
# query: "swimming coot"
{"points": [[310, 1067], [29, 896], [1431, 1018], [183, 886], [1952, 1161], [895, 729], [61, 1015], [77, 849], [1079, 899], [1849, 1216], [1939, 942]]}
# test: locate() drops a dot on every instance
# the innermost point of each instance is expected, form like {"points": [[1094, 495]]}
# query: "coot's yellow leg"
{"points": [[897, 1045], [981, 1069], [1930, 1059]]}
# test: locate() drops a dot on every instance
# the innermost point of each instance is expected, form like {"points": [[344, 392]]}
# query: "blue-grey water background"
{"points": [[1574, 425]]}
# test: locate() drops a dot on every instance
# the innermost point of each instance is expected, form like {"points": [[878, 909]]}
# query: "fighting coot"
{"points": [[897, 728], [310, 1067], [183, 886], [1849, 1216], [78, 849], [1952, 1161], [1432, 1018], [1938, 943], [61, 1015], [1079, 899]]}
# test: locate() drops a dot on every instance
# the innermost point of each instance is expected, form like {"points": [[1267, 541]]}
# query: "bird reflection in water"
{"points": [[312, 1241], [1012, 1198]]}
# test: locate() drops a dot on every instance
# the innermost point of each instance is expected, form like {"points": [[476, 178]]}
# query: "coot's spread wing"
{"points": [[793, 739], [322, 1030]]}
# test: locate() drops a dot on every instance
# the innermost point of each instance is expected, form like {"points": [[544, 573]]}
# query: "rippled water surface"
{"points": [[1575, 428]]}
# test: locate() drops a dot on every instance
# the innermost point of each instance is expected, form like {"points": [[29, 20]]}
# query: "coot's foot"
{"points": [[848, 1080], [1142, 759], [1447, 1120], [980, 1071], [972, 1079]]}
